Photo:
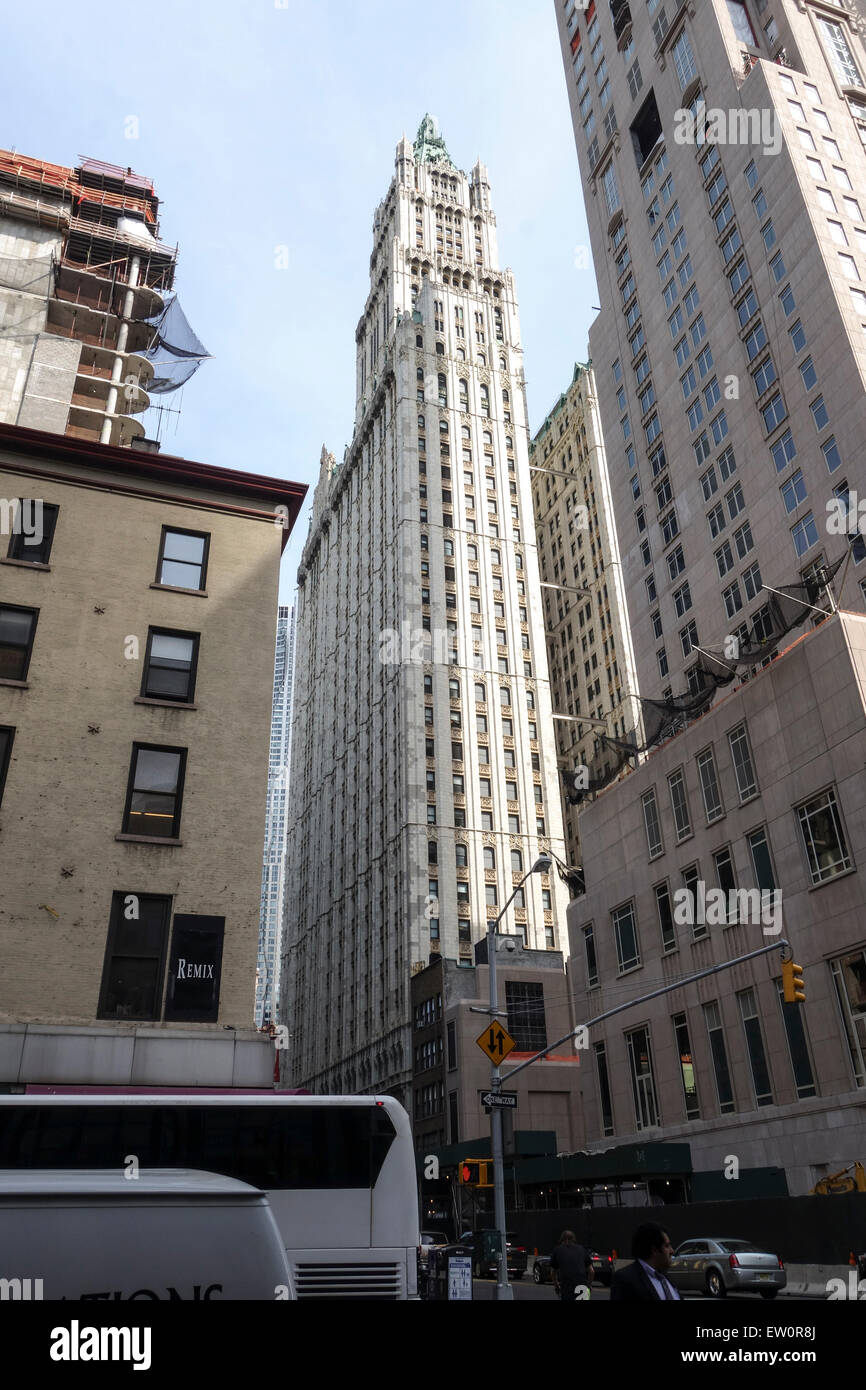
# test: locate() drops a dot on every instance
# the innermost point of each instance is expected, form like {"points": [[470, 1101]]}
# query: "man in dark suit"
{"points": [[646, 1280], [571, 1267]]}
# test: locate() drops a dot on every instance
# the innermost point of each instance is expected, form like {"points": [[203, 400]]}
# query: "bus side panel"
{"points": [[337, 1218]]}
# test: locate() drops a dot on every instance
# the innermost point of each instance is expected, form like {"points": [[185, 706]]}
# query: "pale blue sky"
{"points": [[265, 126]]}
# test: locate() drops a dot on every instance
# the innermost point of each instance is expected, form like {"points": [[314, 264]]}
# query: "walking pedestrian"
{"points": [[646, 1280], [571, 1266]]}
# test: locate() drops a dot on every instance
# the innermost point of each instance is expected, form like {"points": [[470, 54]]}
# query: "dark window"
{"points": [[687, 1066], [719, 1054], [798, 1049], [135, 957], [33, 531], [289, 1146], [17, 630], [453, 1117], [170, 665], [526, 1022], [452, 1046], [6, 737], [155, 792], [182, 559], [604, 1089]]}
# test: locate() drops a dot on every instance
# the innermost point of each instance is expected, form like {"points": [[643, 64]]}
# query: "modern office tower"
{"points": [[589, 646], [730, 350], [424, 781], [722, 152], [137, 625], [273, 868], [89, 328]]}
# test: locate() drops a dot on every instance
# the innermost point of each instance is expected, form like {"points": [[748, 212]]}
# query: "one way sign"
{"points": [[499, 1100]]}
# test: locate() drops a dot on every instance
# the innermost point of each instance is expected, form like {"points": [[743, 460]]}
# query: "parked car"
{"points": [[427, 1241], [602, 1269], [484, 1254], [717, 1266]]}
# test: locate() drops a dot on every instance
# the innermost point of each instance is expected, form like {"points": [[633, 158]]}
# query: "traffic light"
{"points": [[793, 986], [473, 1172]]}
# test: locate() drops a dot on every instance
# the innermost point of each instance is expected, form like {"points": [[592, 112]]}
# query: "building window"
{"points": [[665, 916], [755, 1045], [155, 792], [684, 60], [170, 665], [17, 631], [524, 1003], [823, 837], [718, 1052], [135, 955], [183, 559], [679, 805], [687, 1066], [804, 534], [589, 952], [712, 797], [839, 53], [605, 1103], [759, 847], [724, 865], [747, 785], [7, 736], [798, 1048], [652, 824], [642, 1078], [32, 531], [849, 978], [625, 931]]}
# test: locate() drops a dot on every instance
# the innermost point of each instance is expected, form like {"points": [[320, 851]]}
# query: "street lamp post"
{"points": [[504, 1290]]}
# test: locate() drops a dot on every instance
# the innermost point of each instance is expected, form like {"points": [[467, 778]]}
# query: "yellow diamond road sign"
{"points": [[496, 1042]]}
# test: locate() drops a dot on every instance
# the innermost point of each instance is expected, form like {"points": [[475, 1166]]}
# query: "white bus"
{"points": [[339, 1171]]}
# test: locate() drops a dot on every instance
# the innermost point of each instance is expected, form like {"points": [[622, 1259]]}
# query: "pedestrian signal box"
{"points": [[474, 1172], [793, 985]]}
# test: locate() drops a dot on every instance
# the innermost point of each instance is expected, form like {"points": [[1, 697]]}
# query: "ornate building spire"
{"points": [[429, 145]]}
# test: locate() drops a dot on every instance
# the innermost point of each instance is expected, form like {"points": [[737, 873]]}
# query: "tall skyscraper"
{"points": [[273, 868], [723, 158], [589, 645], [424, 780], [722, 151]]}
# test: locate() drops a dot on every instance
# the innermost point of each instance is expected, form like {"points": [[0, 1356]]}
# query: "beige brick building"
{"points": [[589, 645], [136, 671]]}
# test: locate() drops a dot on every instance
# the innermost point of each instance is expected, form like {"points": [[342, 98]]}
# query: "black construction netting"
{"points": [[784, 610]]}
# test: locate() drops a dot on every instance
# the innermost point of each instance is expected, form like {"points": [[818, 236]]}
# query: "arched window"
{"points": [[488, 437], [419, 373], [461, 856], [503, 364], [509, 442], [505, 397], [480, 693], [505, 694], [485, 399], [464, 393], [461, 354], [428, 685], [443, 392], [530, 700], [489, 857], [465, 431], [443, 426], [482, 360], [440, 349], [448, 547], [420, 422], [419, 341], [516, 862]]}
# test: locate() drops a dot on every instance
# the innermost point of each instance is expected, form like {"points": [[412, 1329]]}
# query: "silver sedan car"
{"points": [[719, 1266]]}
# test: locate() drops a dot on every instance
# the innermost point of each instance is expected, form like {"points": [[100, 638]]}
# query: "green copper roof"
{"points": [[429, 146]]}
